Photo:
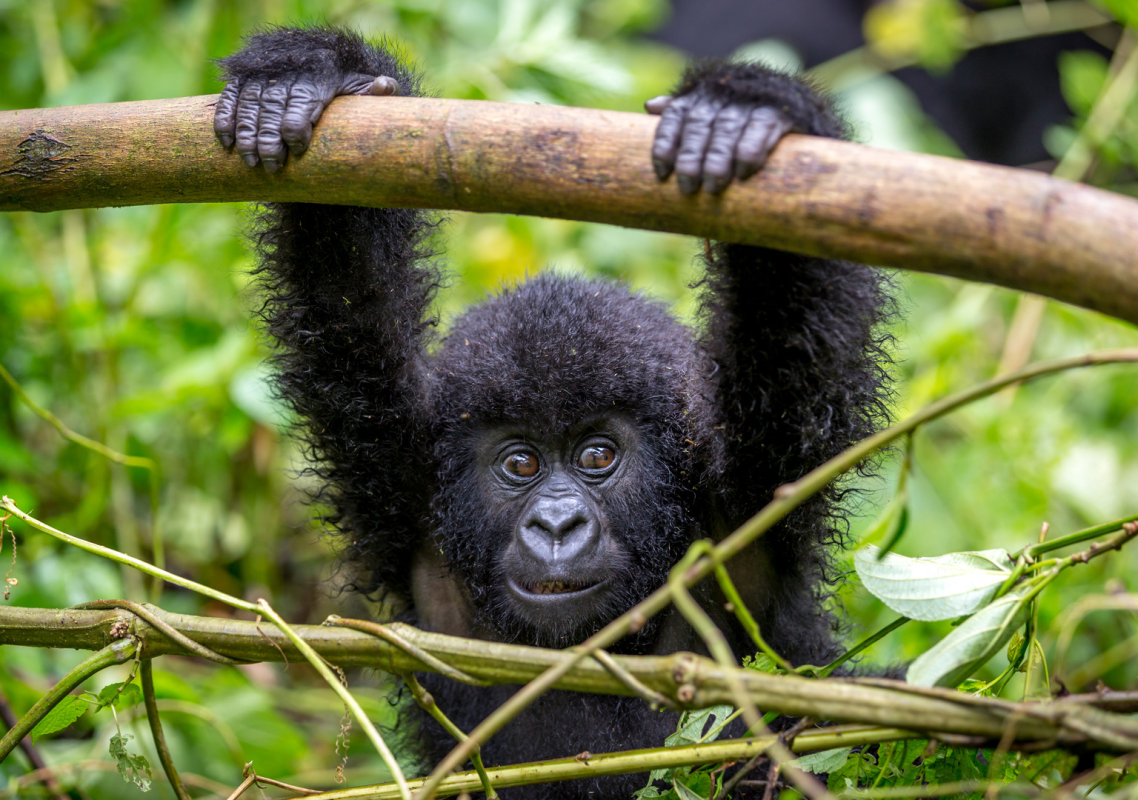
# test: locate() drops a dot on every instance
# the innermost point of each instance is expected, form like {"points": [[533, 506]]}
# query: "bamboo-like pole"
{"points": [[1016, 228]]}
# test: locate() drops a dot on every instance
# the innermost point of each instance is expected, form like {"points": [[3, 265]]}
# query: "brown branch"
{"points": [[1011, 227], [701, 681]]}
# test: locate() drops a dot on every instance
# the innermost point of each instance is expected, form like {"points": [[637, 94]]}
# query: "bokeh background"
{"points": [[133, 326]]}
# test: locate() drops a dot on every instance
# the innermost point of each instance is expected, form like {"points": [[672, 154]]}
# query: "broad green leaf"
{"points": [[693, 723], [69, 709], [968, 647], [698, 787], [929, 589], [129, 696], [133, 768], [824, 762]]}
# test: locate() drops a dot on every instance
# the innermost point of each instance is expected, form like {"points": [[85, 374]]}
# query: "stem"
{"points": [[864, 644], [114, 555], [786, 499], [115, 653], [743, 614], [598, 764], [1078, 537], [427, 702], [350, 701], [147, 680]]}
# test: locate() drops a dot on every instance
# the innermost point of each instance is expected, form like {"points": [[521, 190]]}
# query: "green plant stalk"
{"points": [[619, 763], [115, 653], [864, 644], [321, 666], [1078, 537], [427, 702], [743, 614], [720, 650], [122, 558], [140, 462], [786, 499], [146, 678]]}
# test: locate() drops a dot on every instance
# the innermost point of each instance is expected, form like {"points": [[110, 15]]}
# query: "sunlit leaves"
{"points": [[969, 646], [943, 587]]}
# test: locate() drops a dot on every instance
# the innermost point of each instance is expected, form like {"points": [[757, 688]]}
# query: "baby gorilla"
{"points": [[540, 471]]}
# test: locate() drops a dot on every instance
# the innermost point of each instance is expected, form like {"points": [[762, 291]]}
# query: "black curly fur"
{"points": [[787, 370]]}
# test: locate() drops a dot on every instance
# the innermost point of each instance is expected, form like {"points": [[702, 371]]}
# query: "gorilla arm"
{"points": [[347, 290], [800, 366]]}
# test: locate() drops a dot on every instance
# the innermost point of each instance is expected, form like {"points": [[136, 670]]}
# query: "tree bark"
{"points": [[1015, 228]]}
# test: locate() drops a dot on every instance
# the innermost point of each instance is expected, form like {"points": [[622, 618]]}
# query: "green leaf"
{"points": [[1082, 77], [133, 768], [930, 589], [696, 786], [824, 762], [64, 714], [130, 695], [692, 724], [761, 662], [968, 647]]}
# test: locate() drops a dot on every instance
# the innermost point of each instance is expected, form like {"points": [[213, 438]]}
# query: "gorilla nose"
{"points": [[559, 529]]}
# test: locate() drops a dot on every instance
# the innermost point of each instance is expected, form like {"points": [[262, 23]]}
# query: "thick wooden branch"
{"points": [[1011, 227], [699, 680]]}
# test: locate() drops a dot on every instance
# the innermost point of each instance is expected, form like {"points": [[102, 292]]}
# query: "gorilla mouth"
{"points": [[556, 587]]}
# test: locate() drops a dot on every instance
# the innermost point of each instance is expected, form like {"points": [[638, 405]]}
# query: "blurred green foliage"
{"points": [[133, 326]]}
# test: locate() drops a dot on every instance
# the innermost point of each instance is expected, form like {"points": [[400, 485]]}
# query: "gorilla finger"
{"points": [[668, 130], [764, 130], [225, 114], [306, 102], [248, 112], [384, 86], [693, 143], [719, 162], [270, 145], [656, 105]]}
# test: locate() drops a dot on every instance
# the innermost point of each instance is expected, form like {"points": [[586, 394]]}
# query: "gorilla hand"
{"points": [[725, 119], [269, 116]]}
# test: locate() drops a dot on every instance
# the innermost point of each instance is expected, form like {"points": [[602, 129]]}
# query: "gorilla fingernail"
{"points": [[250, 159]]}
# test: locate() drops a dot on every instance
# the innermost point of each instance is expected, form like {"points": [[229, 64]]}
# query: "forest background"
{"points": [[134, 327]]}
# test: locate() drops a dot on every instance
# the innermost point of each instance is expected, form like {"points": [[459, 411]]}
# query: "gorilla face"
{"points": [[553, 537]]}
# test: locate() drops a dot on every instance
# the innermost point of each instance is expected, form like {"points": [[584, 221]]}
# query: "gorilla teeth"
{"points": [[555, 587]]}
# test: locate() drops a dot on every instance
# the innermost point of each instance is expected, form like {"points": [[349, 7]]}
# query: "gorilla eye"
{"points": [[596, 457], [523, 465]]}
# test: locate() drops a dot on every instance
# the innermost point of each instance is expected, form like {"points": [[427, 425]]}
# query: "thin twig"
{"points": [[653, 698], [427, 702], [411, 649], [321, 666], [152, 618], [160, 746]]}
